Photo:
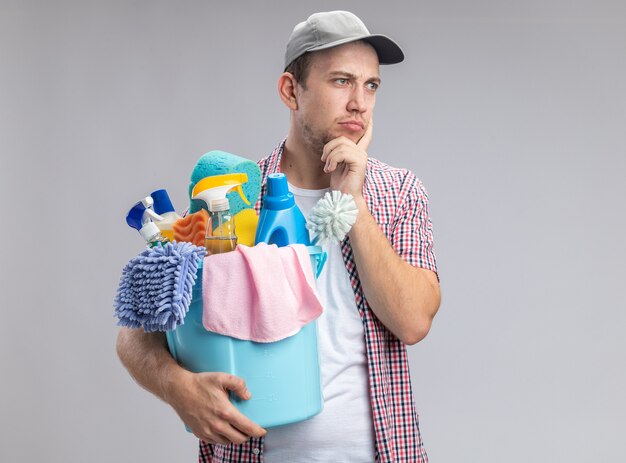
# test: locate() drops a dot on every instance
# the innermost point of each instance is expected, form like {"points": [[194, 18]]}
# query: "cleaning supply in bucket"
{"points": [[262, 293], [332, 217], [192, 228], [217, 186], [245, 221], [281, 222], [217, 163], [220, 232], [284, 375], [164, 208], [139, 217], [155, 288]]}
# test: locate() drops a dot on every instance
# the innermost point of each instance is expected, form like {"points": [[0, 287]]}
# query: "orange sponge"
{"points": [[192, 228]]}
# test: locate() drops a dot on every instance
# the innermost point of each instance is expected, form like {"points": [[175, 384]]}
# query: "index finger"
{"points": [[241, 422], [365, 140]]}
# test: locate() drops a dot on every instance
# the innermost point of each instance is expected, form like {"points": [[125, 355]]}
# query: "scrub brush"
{"points": [[155, 287], [332, 217]]}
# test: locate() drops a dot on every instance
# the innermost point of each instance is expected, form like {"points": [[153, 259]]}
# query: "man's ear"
{"points": [[287, 90]]}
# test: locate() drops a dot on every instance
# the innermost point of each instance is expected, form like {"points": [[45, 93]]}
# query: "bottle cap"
{"points": [[149, 231], [219, 204], [162, 203], [278, 196]]}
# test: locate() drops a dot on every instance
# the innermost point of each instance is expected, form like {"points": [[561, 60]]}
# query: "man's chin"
{"points": [[354, 137]]}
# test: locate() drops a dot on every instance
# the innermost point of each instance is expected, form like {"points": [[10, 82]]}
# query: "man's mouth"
{"points": [[352, 125]]}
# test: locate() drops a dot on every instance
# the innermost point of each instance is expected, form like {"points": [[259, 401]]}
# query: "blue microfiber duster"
{"points": [[155, 288]]}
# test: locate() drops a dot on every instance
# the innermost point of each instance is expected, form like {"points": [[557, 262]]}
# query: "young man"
{"points": [[379, 287]]}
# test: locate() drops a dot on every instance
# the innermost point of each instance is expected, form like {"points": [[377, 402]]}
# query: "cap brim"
{"points": [[387, 50]]}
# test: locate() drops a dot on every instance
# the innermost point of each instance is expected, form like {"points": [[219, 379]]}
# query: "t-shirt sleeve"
{"points": [[412, 231]]}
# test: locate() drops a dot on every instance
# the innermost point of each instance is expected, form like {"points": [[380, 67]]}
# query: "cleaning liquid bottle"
{"points": [[221, 236], [139, 217], [163, 207], [220, 232], [281, 222]]}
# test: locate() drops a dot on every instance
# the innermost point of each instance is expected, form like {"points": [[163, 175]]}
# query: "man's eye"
{"points": [[372, 86], [341, 81]]}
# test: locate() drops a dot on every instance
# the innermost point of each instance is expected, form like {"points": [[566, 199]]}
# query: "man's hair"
{"points": [[300, 67]]}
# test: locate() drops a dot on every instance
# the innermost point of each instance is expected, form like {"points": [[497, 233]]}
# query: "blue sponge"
{"points": [[155, 288]]}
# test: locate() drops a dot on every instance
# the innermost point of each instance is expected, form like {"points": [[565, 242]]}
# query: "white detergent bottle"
{"points": [[163, 207]]}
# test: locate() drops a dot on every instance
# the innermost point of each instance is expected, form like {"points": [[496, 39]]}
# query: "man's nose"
{"points": [[357, 100]]}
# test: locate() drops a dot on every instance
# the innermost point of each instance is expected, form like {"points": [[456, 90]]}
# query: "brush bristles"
{"points": [[332, 217]]}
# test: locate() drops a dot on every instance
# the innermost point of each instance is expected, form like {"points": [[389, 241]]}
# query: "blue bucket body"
{"points": [[283, 376]]}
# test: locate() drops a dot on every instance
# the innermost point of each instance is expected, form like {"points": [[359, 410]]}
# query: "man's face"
{"points": [[339, 94]]}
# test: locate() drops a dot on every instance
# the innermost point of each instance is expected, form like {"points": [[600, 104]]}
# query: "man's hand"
{"points": [[347, 161], [201, 401]]}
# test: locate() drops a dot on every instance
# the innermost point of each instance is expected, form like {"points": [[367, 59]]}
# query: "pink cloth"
{"points": [[263, 293]]}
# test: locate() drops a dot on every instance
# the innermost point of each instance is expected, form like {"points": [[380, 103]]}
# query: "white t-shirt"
{"points": [[344, 430]]}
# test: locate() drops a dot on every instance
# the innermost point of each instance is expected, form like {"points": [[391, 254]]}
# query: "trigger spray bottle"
{"points": [[220, 232], [141, 216], [221, 235]]}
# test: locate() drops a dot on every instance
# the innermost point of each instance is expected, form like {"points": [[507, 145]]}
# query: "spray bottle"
{"points": [[220, 232], [139, 217], [163, 207]]}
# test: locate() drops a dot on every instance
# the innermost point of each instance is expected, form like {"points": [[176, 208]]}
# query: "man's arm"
{"points": [[200, 399], [404, 298]]}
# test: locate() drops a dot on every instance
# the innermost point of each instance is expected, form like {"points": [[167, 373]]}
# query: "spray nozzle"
{"points": [[139, 218], [217, 186], [148, 203]]}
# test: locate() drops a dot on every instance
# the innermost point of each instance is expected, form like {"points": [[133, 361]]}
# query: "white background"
{"points": [[512, 113]]}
